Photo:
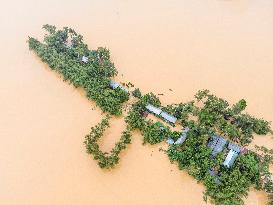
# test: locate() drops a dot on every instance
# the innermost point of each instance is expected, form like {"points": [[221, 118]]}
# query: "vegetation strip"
{"points": [[226, 176], [106, 160]]}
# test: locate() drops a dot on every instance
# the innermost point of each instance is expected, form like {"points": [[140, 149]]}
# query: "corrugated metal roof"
{"points": [[115, 85], [234, 147], [170, 141], [183, 136], [219, 146], [230, 159], [168, 117], [213, 142], [153, 109], [181, 139]]}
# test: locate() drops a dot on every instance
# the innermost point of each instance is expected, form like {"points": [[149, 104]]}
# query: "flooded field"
{"points": [[225, 46]]}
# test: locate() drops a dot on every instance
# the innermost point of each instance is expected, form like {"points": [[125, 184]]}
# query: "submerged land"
{"points": [[187, 76]]}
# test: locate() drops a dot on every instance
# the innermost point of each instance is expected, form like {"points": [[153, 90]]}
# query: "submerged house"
{"points": [[114, 85], [232, 155], [181, 139], [170, 141], [167, 117], [183, 136], [234, 147], [153, 109], [217, 144]]}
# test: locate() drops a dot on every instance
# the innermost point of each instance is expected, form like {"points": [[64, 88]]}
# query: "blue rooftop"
{"points": [[217, 144], [164, 115]]}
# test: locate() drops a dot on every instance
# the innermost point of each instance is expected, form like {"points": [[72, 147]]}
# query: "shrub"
{"points": [[93, 76], [136, 93]]}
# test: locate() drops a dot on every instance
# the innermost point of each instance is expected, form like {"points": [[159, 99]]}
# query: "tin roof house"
{"points": [[183, 136], [153, 109], [114, 85], [234, 147], [85, 59], [169, 118], [170, 141], [232, 155], [181, 139], [215, 176], [217, 144], [230, 159]]}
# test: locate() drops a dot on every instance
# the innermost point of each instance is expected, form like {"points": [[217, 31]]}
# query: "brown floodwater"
{"points": [[222, 45]]}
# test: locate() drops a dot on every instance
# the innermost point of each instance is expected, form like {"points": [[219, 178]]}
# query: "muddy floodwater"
{"points": [[225, 46]]}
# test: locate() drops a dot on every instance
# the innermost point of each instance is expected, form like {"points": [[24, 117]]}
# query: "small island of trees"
{"points": [[204, 117]]}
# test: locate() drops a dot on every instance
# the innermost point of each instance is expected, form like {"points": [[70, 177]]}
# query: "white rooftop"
{"points": [[230, 159], [153, 109], [170, 141], [115, 85], [85, 59], [181, 139], [168, 117], [234, 147], [183, 136]]}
